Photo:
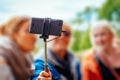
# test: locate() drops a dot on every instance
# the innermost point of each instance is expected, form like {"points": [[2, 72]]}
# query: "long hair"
{"points": [[13, 25], [103, 24]]}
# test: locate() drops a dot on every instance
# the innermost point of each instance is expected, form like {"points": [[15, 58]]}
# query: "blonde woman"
{"points": [[61, 58], [103, 61], [16, 43]]}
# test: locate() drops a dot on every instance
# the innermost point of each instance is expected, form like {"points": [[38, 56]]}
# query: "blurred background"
{"points": [[80, 14]]}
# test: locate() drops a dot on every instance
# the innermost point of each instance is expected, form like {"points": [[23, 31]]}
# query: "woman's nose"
{"points": [[34, 37], [61, 37]]}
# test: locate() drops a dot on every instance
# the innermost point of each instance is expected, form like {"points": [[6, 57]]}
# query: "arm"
{"points": [[39, 70]]}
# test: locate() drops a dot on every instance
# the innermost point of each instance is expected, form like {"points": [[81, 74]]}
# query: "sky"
{"points": [[62, 9]]}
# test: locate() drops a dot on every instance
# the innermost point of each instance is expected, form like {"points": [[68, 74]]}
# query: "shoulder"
{"points": [[90, 67], [88, 55], [89, 61], [88, 58]]}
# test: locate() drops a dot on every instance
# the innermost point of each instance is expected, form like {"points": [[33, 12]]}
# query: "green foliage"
{"points": [[110, 10], [76, 37], [81, 41], [85, 41]]}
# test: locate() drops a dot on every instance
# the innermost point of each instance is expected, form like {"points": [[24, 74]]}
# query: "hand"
{"points": [[45, 75]]}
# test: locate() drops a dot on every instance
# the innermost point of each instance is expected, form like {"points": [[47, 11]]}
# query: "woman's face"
{"points": [[25, 40], [62, 42], [102, 37]]}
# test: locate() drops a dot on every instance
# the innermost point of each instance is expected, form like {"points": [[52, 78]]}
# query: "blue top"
{"points": [[39, 66], [68, 68]]}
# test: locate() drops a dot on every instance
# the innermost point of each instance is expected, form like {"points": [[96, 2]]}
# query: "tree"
{"points": [[76, 42], [81, 38], [110, 10], [85, 41]]}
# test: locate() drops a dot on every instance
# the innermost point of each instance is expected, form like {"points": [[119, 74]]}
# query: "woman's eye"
{"points": [[102, 34], [95, 35]]}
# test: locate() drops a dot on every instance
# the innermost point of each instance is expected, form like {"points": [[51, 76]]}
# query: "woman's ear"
{"points": [[13, 35], [112, 35]]}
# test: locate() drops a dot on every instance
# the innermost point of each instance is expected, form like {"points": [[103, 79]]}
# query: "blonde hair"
{"points": [[67, 27], [13, 25], [103, 24]]}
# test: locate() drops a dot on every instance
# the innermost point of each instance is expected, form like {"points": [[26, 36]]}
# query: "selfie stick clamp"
{"points": [[45, 36]]}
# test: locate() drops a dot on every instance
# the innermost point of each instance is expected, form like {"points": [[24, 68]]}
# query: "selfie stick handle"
{"points": [[45, 55]]}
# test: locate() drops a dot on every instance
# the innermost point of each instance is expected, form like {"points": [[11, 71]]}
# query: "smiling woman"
{"points": [[15, 44], [102, 62]]}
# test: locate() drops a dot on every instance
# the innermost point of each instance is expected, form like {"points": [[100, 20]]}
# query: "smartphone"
{"points": [[46, 26]]}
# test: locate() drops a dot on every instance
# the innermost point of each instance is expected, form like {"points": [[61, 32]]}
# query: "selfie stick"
{"points": [[45, 36], [45, 55], [43, 27]]}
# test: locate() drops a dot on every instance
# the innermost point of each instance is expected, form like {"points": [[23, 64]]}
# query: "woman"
{"points": [[61, 58], [102, 62], [15, 45]]}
